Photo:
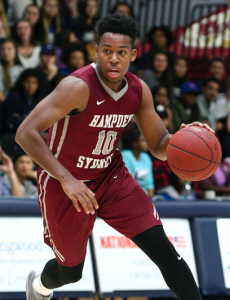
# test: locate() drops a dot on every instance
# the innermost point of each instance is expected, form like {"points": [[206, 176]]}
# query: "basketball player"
{"points": [[82, 174]]}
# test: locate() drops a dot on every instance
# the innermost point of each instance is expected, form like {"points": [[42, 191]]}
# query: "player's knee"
{"points": [[71, 274]]}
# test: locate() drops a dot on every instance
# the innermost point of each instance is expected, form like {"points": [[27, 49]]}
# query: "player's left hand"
{"points": [[198, 124]]}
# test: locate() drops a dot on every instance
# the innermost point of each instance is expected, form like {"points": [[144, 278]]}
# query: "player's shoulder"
{"points": [[84, 71], [71, 84]]}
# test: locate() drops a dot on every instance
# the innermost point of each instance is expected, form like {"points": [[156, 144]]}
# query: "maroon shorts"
{"points": [[122, 204]]}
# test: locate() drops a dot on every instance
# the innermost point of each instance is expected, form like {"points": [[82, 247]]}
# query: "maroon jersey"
{"points": [[85, 143]]}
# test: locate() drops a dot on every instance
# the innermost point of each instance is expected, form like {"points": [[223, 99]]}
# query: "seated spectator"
{"points": [[32, 14], [161, 100], [62, 39], [4, 22], [179, 75], [157, 72], [2, 33], [74, 56], [23, 97], [185, 109], [47, 68], [137, 160], [11, 186], [83, 25], [223, 136], [68, 11], [124, 8], [213, 106], [219, 181], [24, 169], [10, 67], [159, 38], [217, 69], [49, 22], [178, 189], [161, 173], [16, 9], [28, 51]]}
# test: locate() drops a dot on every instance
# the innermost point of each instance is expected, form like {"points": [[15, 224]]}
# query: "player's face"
{"points": [[114, 54]]}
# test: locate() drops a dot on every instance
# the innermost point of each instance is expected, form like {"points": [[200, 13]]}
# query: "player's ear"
{"points": [[96, 51], [134, 55]]}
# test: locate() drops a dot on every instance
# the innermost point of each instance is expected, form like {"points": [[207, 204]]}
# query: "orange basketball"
{"points": [[194, 153]]}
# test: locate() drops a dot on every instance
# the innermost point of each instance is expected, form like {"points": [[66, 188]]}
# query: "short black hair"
{"points": [[129, 137], [211, 79], [219, 59], [165, 29], [72, 47], [130, 7], [116, 23]]}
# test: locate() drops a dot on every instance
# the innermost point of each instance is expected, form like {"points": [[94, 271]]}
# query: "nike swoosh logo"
{"points": [[179, 257], [99, 102]]}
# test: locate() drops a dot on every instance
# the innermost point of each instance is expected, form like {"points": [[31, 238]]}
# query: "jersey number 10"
{"points": [[108, 140]]}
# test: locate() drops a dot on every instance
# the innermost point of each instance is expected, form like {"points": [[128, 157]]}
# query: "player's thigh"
{"points": [[127, 208], [66, 231]]}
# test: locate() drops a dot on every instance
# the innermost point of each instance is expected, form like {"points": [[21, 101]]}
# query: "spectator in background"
{"points": [[179, 75], [32, 14], [185, 109], [68, 11], [217, 69], [10, 67], [47, 68], [157, 72], [83, 26], [219, 181], [28, 52], [161, 97], [2, 32], [62, 39], [49, 23], [24, 169], [22, 98], [212, 105], [16, 8], [74, 56], [124, 8], [178, 189], [161, 169], [159, 38], [11, 186], [4, 21], [137, 160]]}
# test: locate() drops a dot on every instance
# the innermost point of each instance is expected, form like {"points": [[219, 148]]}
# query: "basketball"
{"points": [[194, 153]]}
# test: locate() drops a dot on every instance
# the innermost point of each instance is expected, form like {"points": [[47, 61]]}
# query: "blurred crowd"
{"points": [[42, 41]]}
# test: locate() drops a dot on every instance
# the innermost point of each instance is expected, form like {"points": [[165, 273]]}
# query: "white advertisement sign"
{"points": [[22, 250], [123, 266], [223, 228]]}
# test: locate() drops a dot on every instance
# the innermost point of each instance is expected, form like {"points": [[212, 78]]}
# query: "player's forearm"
{"points": [[34, 145], [160, 150]]}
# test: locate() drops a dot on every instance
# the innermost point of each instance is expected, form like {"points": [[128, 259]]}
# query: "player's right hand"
{"points": [[79, 193]]}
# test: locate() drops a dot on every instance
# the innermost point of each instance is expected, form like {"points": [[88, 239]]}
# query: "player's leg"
{"points": [[127, 208], [53, 276], [174, 269], [66, 231]]}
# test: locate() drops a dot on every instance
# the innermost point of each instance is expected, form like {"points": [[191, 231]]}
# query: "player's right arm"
{"points": [[71, 93]]}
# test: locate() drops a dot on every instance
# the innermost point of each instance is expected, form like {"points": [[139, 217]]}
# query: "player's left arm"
{"points": [[151, 125]]}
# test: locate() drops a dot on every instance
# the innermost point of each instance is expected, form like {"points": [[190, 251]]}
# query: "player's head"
{"points": [[116, 36], [116, 23]]}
